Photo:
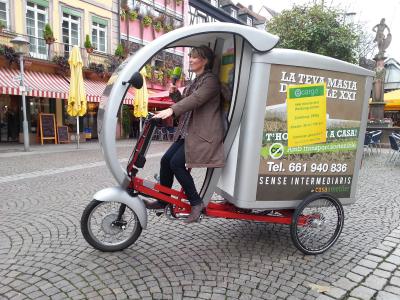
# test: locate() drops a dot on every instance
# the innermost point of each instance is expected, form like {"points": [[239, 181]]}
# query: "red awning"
{"points": [[94, 90], [163, 94], [38, 84]]}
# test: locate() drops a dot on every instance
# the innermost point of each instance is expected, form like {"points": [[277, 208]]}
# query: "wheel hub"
{"points": [[109, 225], [318, 222]]}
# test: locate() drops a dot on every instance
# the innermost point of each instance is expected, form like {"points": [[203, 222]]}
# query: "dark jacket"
{"points": [[205, 133]]}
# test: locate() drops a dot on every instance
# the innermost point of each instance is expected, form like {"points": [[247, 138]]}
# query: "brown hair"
{"points": [[205, 52]]}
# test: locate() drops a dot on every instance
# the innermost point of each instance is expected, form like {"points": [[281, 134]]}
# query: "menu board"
{"points": [[47, 123], [62, 134]]}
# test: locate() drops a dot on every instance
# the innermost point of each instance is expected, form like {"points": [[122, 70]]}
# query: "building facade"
{"points": [[46, 65]]}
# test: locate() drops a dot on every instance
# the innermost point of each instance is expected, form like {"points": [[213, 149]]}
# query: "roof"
{"points": [[244, 10], [223, 3]]}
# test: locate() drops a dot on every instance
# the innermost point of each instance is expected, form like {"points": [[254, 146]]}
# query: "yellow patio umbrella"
{"points": [[77, 96], [392, 100], [140, 104]]}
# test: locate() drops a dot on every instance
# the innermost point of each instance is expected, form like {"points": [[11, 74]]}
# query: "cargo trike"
{"points": [[295, 123]]}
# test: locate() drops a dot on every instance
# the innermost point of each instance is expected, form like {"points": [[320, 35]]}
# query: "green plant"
{"points": [[168, 27], [88, 43], [133, 15], [10, 54], [98, 68], [149, 71], [147, 20], [119, 51], [158, 26], [123, 14], [62, 61], [48, 34], [159, 76], [2, 25]]}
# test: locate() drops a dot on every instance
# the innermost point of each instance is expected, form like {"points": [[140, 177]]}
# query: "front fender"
{"points": [[118, 194]]}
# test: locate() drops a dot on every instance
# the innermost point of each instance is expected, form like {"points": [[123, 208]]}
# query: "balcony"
{"points": [[39, 51]]}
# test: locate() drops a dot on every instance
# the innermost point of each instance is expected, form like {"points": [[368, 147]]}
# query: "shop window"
{"points": [[37, 106], [36, 19]]}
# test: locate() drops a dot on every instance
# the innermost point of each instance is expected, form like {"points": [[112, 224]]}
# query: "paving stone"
{"points": [[382, 295], [396, 251], [363, 293], [384, 248], [324, 297], [396, 241], [395, 281], [389, 244], [354, 277], [379, 252], [368, 263], [387, 266], [382, 273], [362, 270], [336, 293], [344, 283], [394, 259], [392, 289], [375, 282], [374, 258]]}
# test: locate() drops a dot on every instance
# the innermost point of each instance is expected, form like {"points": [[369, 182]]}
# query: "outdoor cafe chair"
{"points": [[376, 140], [170, 133], [394, 146], [367, 143]]}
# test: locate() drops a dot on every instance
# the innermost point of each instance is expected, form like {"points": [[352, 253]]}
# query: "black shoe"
{"points": [[154, 204], [194, 214]]}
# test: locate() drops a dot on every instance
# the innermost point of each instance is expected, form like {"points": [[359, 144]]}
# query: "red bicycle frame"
{"points": [[177, 198]]}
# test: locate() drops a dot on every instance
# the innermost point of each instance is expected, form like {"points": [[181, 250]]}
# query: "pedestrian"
{"points": [[198, 140]]}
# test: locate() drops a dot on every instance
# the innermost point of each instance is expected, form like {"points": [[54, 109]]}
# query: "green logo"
{"points": [[309, 91], [276, 150]]}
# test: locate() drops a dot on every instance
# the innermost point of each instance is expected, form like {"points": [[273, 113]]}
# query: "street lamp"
{"points": [[21, 48]]}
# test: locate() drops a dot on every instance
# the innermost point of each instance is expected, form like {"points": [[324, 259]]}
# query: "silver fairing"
{"points": [[115, 91]]}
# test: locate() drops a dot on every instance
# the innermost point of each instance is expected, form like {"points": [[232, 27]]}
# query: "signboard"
{"points": [[306, 114], [310, 135], [62, 134], [47, 124]]}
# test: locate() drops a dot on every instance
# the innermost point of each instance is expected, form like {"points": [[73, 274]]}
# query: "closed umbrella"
{"points": [[77, 96], [141, 100]]}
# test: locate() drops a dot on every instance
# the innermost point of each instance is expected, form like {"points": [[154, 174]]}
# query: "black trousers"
{"points": [[173, 163]]}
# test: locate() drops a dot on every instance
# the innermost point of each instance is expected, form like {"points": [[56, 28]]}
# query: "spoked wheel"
{"points": [[110, 226], [317, 223]]}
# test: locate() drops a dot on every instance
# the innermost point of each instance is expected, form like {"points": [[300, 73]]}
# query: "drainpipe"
{"points": [[119, 21]]}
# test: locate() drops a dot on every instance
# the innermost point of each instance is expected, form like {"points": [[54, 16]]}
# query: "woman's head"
{"points": [[200, 59]]}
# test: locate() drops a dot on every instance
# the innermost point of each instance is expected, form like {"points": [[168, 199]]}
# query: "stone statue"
{"points": [[382, 40]]}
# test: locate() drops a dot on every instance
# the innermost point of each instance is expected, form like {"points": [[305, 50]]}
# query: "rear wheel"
{"points": [[317, 223], [110, 226]]}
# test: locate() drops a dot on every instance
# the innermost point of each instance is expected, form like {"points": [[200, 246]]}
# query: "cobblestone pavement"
{"points": [[44, 256]]}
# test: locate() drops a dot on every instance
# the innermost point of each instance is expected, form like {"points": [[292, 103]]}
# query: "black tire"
{"points": [[323, 218], [107, 217]]}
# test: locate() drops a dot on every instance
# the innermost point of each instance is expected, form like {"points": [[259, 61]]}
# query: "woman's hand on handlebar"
{"points": [[163, 114]]}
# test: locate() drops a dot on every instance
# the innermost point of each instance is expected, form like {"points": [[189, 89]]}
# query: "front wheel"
{"points": [[110, 226], [317, 223]]}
